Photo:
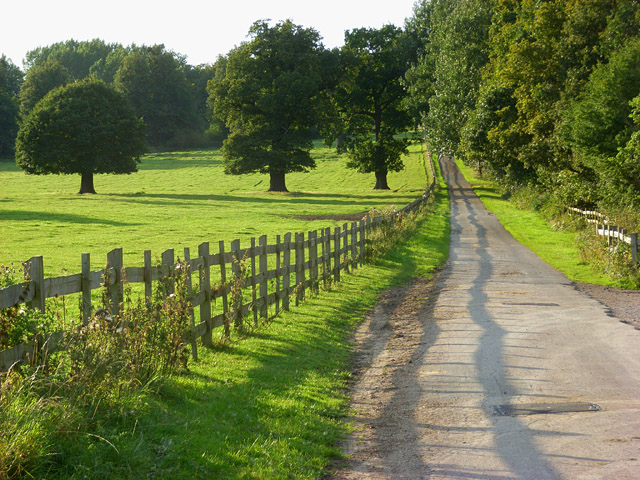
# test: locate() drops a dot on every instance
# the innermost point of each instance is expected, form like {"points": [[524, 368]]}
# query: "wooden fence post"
{"points": [[223, 281], [236, 301], [168, 264], [264, 291], [328, 256], [35, 271], [116, 288], [354, 245], [286, 279], [313, 260], [148, 280], [345, 233], [323, 241], [187, 262], [299, 267], [336, 255], [254, 296], [205, 287], [634, 248], [86, 288], [362, 242], [278, 265]]}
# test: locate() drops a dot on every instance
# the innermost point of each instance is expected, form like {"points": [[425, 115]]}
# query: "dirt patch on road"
{"points": [[622, 304], [385, 394]]}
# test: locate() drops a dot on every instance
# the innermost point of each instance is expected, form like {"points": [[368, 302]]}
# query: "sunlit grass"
{"points": [[179, 200], [269, 405]]}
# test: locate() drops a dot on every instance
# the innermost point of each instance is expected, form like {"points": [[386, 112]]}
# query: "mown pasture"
{"points": [[178, 200]]}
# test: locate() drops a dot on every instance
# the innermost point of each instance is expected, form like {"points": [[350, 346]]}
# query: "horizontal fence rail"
{"points": [[611, 232], [269, 274]]}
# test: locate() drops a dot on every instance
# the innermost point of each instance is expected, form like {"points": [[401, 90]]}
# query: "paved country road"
{"points": [[501, 370]]}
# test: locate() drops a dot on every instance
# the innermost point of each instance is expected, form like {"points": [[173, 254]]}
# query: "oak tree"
{"points": [[370, 97], [268, 98], [81, 128]]}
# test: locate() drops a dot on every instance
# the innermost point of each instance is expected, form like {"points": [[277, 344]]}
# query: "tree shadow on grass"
{"points": [[238, 426], [38, 216], [270, 419], [293, 199]]}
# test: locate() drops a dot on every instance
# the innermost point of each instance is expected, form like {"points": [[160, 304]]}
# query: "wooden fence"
{"points": [[298, 263], [614, 234]]}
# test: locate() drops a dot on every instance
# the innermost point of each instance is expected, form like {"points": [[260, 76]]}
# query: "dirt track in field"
{"points": [[439, 364]]}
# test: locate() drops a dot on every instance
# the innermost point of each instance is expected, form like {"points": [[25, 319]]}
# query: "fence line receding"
{"points": [[269, 274]]}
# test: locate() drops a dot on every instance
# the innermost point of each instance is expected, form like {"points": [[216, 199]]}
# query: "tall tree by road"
{"points": [[369, 99]]}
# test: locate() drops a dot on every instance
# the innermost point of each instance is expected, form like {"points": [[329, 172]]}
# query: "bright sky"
{"points": [[200, 29]]}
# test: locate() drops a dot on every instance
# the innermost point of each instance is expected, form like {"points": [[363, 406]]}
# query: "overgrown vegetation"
{"points": [[104, 370], [21, 323]]}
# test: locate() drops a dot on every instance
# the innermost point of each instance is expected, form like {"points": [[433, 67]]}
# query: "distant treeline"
{"points": [[543, 94], [168, 93]]}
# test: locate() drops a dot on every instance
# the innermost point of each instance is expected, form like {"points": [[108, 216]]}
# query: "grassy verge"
{"points": [[558, 248], [267, 407]]}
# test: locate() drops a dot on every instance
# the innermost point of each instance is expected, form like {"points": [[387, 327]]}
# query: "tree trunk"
{"points": [[381, 181], [86, 185], [276, 183]]}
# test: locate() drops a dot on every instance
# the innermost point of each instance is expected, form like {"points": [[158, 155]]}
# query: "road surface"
{"points": [[459, 380]]}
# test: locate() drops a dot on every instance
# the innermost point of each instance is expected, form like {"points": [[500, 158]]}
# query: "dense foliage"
{"points": [[83, 128], [10, 80], [154, 81], [39, 81], [268, 98], [369, 99], [170, 94], [536, 93]]}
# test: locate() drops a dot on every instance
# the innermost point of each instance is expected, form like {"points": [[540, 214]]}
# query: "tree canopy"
{"points": [[10, 81], [82, 128], [155, 84], [78, 57], [39, 81], [162, 87], [369, 99], [268, 98], [535, 93]]}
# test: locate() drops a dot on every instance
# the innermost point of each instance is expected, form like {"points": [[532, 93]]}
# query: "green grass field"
{"points": [[179, 200], [271, 406]]}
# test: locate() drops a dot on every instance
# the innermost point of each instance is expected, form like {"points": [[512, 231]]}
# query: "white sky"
{"points": [[200, 29]]}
